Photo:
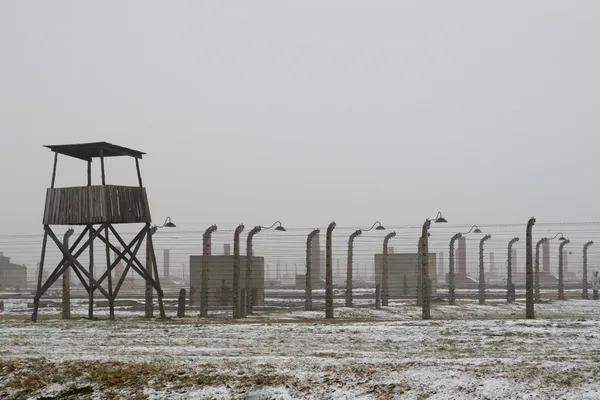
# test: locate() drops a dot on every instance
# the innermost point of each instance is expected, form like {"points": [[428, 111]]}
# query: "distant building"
{"points": [[402, 274], [12, 275], [220, 280]]}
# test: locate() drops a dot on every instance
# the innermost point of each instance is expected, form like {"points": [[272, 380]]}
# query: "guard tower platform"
{"points": [[98, 208]]}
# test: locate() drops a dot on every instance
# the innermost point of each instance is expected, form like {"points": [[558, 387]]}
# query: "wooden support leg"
{"points": [[159, 294], [36, 301], [90, 283], [111, 303], [149, 300]]}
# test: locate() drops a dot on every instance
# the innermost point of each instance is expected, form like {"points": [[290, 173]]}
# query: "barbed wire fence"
{"points": [[279, 265]]}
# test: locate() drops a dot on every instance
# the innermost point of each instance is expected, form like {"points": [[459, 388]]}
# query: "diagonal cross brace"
{"points": [[76, 263], [75, 244], [127, 267], [138, 267], [63, 265], [120, 255]]}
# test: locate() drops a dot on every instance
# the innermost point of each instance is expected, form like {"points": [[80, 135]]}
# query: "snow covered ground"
{"points": [[466, 352]]}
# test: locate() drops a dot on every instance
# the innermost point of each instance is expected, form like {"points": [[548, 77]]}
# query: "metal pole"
{"points": [[529, 307]]}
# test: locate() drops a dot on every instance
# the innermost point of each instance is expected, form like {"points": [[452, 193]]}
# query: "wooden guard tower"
{"points": [[97, 209]]}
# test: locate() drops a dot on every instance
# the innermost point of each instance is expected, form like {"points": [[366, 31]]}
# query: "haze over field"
{"points": [[308, 112]]}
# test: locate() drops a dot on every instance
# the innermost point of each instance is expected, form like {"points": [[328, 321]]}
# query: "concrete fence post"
{"points": [[329, 273], [451, 272], [385, 269], [243, 299], [584, 293], [426, 311], [510, 287], [529, 300], [308, 286], [206, 252], [482, 270], [561, 278], [181, 304], [349, 267], [236, 272], [536, 282], [249, 256]]}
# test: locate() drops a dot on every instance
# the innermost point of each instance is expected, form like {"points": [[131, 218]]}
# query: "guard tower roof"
{"points": [[88, 151]]}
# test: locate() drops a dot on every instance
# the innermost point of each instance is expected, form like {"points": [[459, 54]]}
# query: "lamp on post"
{"points": [[426, 285], [149, 307], [451, 272], [248, 289], [377, 226]]}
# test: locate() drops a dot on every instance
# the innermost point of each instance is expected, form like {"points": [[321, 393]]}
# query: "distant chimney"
{"points": [[1, 254], [390, 250], [227, 249]]}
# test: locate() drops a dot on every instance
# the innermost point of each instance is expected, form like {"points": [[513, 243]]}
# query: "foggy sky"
{"points": [[308, 111]]}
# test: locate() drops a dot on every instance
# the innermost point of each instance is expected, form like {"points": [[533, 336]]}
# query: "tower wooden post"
{"points": [[66, 284]]}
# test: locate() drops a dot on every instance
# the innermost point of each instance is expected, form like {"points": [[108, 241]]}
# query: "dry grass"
{"points": [[24, 378]]}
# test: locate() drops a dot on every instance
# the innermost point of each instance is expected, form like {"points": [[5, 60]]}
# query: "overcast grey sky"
{"points": [[309, 111]]}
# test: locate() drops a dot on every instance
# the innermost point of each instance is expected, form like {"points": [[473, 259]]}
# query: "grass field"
{"points": [[465, 352]]}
